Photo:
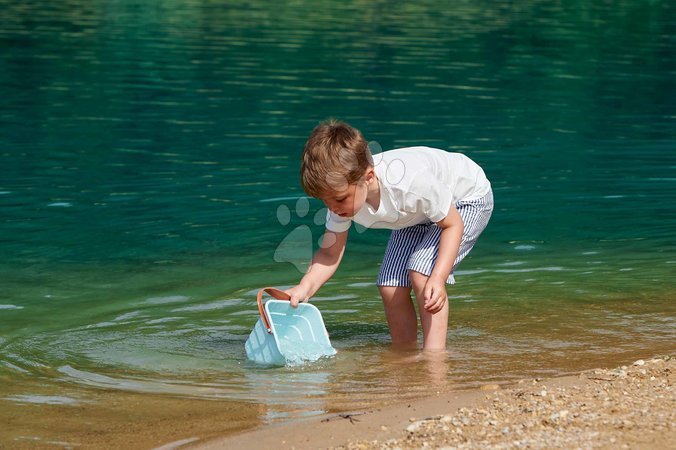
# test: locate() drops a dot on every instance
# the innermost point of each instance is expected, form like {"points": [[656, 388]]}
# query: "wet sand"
{"points": [[110, 419], [632, 406]]}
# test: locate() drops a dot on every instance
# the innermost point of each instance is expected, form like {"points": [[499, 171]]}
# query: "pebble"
{"points": [[415, 426], [614, 406], [559, 415]]}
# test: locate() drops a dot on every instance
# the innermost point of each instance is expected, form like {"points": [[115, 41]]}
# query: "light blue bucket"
{"points": [[287, 336]]}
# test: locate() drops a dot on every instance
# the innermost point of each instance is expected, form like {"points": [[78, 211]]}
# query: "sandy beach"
{"points": [[632, 406]]}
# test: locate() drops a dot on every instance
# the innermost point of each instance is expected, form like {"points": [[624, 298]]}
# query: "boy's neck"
{"points": [[373, 193]]}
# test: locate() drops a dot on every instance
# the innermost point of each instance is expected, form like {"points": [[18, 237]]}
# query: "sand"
{"points": [[632, 406]]}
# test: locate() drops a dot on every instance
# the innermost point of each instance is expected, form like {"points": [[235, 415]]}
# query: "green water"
{"points": [[149, 173]]}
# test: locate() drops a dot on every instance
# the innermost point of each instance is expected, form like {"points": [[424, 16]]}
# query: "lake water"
{"points": [[149, 187]]}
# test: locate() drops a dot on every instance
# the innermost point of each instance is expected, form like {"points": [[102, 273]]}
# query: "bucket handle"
{"points": [[275, 293]]}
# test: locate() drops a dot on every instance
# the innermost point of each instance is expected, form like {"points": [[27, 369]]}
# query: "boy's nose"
{"points": [[331, 207]]}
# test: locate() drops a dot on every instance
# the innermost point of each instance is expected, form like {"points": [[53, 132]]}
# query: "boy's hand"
{"points": [[435, 294], [298, 294]]}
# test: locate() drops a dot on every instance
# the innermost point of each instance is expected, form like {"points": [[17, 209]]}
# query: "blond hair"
{"points": [[334, 156]]}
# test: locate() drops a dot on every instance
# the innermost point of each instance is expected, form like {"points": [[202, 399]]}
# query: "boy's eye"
{"points": [[341, 199]]}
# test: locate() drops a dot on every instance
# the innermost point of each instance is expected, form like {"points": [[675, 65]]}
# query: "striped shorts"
{"points": [[416, 247]]}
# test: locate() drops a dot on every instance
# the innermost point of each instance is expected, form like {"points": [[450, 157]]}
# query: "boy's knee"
{"points": [[387, 291], [418, 279], [393, 293]]}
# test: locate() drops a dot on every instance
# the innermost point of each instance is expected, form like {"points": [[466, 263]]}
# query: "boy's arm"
{"points": [[449, 245], [323, 266]]}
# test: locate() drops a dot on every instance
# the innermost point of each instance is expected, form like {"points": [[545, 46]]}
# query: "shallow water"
{"points": [[149, 187]]}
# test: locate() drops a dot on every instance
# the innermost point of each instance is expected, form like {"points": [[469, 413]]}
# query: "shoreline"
{"points": [[632, 405]]}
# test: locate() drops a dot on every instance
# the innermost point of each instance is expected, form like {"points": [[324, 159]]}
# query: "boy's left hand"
{"points": [[435, 294]]}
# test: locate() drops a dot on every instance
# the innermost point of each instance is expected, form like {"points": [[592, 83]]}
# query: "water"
{"points": [[149, 187], [298, 354]]}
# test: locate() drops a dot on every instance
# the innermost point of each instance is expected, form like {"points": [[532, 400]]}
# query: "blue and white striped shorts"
{"points": [[416, 247]]}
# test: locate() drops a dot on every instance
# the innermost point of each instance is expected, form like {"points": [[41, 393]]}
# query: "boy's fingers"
{"points": [[429, 293], [436, 305], [296, 299], [429, 304]]}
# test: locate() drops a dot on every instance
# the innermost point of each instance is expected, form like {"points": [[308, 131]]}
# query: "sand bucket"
{"points": [[287, 336]]}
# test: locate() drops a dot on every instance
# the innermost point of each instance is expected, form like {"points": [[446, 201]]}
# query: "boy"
{"points": [[437, 204]]}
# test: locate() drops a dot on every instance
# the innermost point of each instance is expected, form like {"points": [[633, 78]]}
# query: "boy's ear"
{"points": [[370, 175]]}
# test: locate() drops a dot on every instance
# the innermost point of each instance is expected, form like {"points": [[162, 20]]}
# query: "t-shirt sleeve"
{"points": [[336, 223], [430, 196]]}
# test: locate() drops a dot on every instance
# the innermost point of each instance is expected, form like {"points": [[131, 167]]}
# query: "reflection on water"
{"points": [[148, 149]]}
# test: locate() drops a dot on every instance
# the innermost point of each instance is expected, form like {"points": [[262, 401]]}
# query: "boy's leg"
{"points": [[395, 287], [435, 326], [475, 215], [400, 314]]}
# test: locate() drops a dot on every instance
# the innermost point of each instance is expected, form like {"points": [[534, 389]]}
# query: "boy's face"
{"points": [[347, 200]]}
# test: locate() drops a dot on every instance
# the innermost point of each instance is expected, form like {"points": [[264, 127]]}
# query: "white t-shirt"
{"points": [[417, 184]]}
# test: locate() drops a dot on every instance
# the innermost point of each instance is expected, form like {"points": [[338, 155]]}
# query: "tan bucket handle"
{"points": [[276, 294]]}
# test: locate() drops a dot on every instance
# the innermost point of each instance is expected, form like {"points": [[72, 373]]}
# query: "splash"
{"points": [[297, 352]]}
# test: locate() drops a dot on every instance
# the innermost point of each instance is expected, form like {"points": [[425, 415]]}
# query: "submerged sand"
{"points": [[632, 406]]}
